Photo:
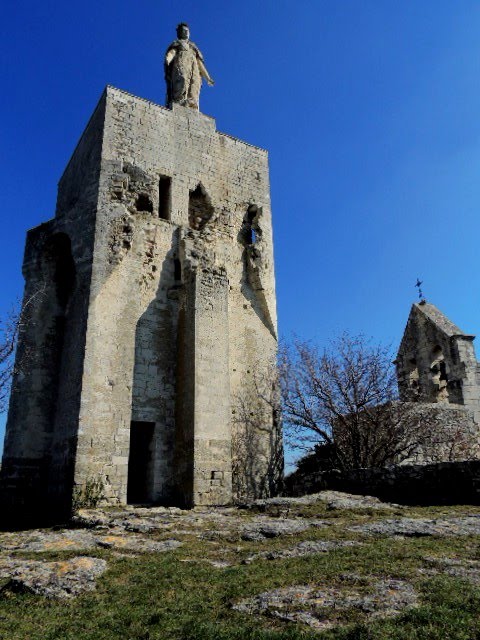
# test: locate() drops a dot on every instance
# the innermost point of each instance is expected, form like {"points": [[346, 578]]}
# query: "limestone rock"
{"points": [[63, 579], [321, 607], [306, 548], [340, 500], [468, 570], [42, 541], [117, 539], [261, 528], [333, 499], [460, 526], [137, 544]]}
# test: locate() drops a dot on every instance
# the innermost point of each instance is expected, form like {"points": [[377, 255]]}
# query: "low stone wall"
{"points": [[447, 432], [429, 484]]}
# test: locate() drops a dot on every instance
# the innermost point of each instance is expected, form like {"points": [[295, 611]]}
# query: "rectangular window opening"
{"points": [[164, 197], [177, 267]]}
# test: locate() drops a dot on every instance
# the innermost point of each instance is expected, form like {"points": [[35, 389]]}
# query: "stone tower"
{"points": [[436, 361], [153, 319]]}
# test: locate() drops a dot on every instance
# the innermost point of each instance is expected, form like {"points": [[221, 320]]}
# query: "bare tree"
{"points": [[257, 446], [347, 397], [10, 328]]}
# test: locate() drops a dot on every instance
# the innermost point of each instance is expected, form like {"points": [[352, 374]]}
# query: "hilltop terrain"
{"points": [[328, 565]]}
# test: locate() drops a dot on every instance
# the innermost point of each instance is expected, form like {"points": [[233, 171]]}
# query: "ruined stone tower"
{"points": [[152, 319]]}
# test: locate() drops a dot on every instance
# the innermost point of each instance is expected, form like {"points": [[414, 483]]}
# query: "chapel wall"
{"points": [[441, 367]]}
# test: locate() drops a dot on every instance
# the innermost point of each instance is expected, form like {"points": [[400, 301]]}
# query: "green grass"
{"points": [[160, 596]]}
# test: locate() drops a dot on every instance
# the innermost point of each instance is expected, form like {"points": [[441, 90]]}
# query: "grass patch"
{"points": [[161, 596]]}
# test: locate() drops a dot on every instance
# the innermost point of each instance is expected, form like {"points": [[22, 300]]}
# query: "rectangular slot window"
{"points": [[164, 197], [177, 268]]}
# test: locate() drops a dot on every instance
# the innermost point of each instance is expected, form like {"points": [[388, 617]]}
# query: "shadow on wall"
{"points": [[250, 236], [151, 474], [256, 475], [49, 359]]}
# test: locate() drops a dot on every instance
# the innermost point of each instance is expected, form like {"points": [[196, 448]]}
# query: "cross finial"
{"points": [[420, 292]]}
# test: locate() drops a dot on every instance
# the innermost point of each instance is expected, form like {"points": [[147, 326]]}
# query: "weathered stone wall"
{"points": [[42, 422], [178, 296], [143, 142], [206, 388], [440, 483], [443, 432]]}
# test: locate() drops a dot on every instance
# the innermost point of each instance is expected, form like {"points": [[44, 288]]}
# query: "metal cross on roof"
{"points": [[420, 292]]}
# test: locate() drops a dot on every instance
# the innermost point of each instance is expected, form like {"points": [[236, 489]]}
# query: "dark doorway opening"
{"points": [[140, 462]]}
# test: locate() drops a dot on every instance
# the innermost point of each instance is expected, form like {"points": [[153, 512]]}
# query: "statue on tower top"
{"points": [[184, 70]]}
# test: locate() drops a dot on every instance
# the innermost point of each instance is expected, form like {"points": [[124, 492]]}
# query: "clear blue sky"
{"points": [[370, 111]]}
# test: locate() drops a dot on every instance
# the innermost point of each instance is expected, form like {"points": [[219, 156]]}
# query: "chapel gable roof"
{"points": [[428, 311], [438, 318]]}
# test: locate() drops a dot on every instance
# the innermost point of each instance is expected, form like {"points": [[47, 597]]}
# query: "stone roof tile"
{"points": [[440, 319]]}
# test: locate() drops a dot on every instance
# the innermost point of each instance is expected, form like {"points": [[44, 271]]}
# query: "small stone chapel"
{"points": [[436, 361]]}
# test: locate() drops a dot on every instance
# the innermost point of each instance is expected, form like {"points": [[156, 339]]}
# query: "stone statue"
{"points": [[184, 70]]}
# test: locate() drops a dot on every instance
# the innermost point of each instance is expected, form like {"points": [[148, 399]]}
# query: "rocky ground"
{"points": [[298, 547]]}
